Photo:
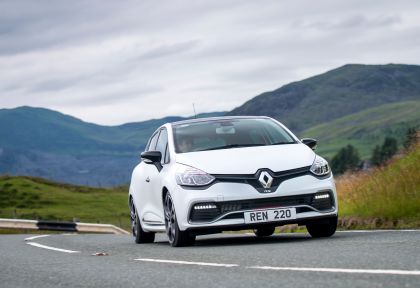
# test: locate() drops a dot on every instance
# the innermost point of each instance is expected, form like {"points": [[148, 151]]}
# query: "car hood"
{"points": [[248, 160]]}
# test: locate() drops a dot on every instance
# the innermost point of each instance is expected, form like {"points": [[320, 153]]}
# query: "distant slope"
{"points": [[51, 131], [36, 198], [366, 129], [336, 93], [344, 105], [46, 143]]}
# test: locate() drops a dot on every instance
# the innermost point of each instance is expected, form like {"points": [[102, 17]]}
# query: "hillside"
{"points": [[390, 195], [356, 104], [46, 130], [45, 143], [336, 93], [365, 129]]}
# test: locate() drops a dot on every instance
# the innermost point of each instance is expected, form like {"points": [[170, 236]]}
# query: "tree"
{"points": [[347, 158], [389, 148], [376, 159], [385, 152], [410, 137]]}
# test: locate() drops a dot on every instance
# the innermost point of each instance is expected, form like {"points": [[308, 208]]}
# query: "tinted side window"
{"points": [[162, 143], [167, 158], [152, 142]]}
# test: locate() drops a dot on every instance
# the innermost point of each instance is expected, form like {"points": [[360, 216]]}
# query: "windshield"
{"points": [[229, 133]]}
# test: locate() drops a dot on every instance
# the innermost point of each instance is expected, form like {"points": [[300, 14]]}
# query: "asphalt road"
{"points": [[348, 259]]}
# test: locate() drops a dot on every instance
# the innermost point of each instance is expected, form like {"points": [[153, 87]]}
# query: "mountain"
{"points": [[357, 104], [336, 93], [51, 131], [366, 129], [46, 143]]}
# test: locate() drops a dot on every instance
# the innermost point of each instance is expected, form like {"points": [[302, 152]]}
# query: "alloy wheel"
{"points": [[133, 218], [170, 218]]}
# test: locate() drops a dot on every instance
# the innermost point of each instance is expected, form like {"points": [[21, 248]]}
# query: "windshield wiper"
{"points": [[281, 143], [243, 145], [232, 146]]}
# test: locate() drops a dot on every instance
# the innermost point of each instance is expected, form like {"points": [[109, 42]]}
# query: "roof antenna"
{"points": [[195, 114]]}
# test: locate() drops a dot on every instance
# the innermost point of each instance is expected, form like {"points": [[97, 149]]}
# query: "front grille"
{"points": [[252, 179], [208, 215], [265, 203]]}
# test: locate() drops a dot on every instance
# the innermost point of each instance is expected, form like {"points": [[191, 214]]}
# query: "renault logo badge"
{"points": [[265, 179]]}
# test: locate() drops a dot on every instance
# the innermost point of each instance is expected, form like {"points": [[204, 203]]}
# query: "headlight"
{"points": [[189, 176], [320, 166]]}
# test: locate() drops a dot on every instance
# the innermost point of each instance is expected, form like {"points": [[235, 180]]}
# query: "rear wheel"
{"points": [[177, 238], [264, 231], [139, 234], [323, 228]]}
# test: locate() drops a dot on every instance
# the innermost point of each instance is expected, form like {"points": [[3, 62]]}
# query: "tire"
{"points": [[264, 231], [177, 238], [325, 228], [139, 234]]}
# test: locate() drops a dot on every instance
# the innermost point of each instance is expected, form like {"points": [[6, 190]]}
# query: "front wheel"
{"points": [[323, 228], [139, 234], [177, 238]]}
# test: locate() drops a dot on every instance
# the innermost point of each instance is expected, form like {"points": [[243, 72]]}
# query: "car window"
{"points": [[162, 143], [229, 133], [152, 142], [167, 158]]}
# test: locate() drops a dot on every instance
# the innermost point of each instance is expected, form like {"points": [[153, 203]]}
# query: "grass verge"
{"points": [[40, 199], [387, 197]]}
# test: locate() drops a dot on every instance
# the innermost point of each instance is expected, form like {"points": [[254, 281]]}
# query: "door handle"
{"points": [[147, 179]]}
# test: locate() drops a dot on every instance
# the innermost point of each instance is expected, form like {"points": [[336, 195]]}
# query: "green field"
{"points": [[391, 193], [366, 129], [36, 198]]}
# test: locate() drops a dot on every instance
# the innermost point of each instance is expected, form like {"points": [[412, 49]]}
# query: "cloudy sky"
{"points": [[112, 62]]}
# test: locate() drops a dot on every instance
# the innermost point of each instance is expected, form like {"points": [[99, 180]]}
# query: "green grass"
{"points": [[366, 129], [389, 193], [36, 198]]}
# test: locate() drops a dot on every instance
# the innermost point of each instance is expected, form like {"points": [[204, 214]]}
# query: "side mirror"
{"points": [[152, 157], [310, 142]]}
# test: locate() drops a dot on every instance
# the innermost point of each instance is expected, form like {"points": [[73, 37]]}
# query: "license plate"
{"points": [[269, 215]]}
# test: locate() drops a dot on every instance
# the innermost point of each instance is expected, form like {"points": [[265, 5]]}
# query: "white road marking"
{"points": [[35, 237], [341, 270], [339, 231], [186, 262], [51, 248], [374, 231]]}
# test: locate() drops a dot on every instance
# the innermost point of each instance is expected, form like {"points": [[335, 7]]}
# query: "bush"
{"points": [[383, 153], [346, 159], [411, 137]]}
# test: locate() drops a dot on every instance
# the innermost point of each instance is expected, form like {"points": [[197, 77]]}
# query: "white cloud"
{"points": [[112, 62]]}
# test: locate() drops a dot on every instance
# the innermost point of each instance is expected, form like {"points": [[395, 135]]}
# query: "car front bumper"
{"points": [[233, 199]]}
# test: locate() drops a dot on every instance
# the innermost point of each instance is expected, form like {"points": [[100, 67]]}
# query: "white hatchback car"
{"points": [[209, 175]]}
